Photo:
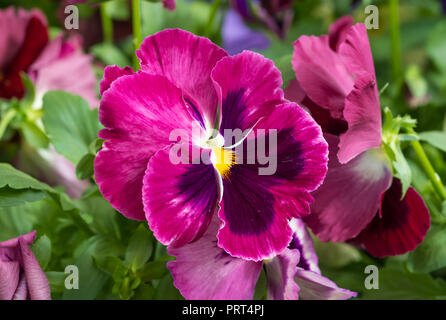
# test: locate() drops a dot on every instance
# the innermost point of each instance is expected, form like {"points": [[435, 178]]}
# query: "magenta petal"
{"points": [[111, 73], [363, 115], [9, 278], [246, 85], [169, 4], [350, 196], [187, 61], [294, 92], [179, 199], [280, 272], [256, 207], [36, 281], [321, 73], [314, 286], [355, 51], [202, 270], [400, 226], [139, 112], [338, 31]]}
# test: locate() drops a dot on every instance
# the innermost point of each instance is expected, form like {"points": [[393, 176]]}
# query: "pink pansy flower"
{"points": [[21, 276], [335, 80], [52, 65], [204, 271], [184, 80]]}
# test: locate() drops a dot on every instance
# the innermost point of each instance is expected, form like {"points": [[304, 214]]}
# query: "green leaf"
{"points": [[42, 250], [430, 255], [112, 265], [9, 176], [70, 123], [110, 55], [34, 135], [397, 284], [85, 167], [261, 289], [335, 254], [56, 280], [153, 270], [140, 247], [436, 46], [15, 197], [91, 278], [435, 138]]}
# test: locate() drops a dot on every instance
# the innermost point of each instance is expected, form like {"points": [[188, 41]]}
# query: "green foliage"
{"points": [[70, 123], [431, 254]]}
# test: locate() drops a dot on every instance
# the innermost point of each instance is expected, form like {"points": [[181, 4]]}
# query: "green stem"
{"points": [[428, 168], [6, 120], [395, 41], [136, 23], [211, 19], [107, 24]]}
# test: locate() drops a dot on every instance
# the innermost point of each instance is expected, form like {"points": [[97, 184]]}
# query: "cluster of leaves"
{"points": [[116, 257]]}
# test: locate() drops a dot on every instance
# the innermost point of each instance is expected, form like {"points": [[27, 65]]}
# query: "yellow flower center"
{"points": [[224, 159]]}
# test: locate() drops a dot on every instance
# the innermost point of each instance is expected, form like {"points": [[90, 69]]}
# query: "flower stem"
{"points": [[395, 41], [428, 168], [136, 23], [212, 15], [6, 120], [107, 24]]}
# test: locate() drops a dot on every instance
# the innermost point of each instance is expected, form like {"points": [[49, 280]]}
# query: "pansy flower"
{"points": [[335, 80], [189, 83], [276, 15], [204, 271], [52, 65], [21, 277]]}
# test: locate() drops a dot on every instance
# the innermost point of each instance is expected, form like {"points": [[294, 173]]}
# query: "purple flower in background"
{"points": [[237, 36], [202, 270], [277, 15], [21, 276], [184, 79]]}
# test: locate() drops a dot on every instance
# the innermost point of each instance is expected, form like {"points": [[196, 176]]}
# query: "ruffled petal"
{"points": [[322, 73], [363, 115], [57, 67], [355, 51], [9, 278], [36, 281], [187, 61], [338, 31], [257, 204], [304, 244], [202, 270], [280, 272], [350, 195], [180, 199], [246, 85], [13, 24], [400, 226], [111, 73], [139, 113], [314, 286], [36, 37]]}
